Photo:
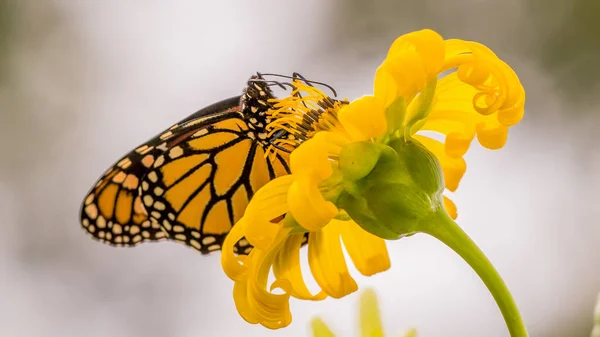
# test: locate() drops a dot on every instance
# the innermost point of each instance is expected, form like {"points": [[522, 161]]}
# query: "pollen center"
{"points": [[297, 117]]}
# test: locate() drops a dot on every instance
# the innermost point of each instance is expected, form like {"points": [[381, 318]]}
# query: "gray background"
{"points": [[82, 82]]}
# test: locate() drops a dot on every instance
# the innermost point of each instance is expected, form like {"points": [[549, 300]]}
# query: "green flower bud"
{"points": [[358, 209], [391, 188], [422, 166]]}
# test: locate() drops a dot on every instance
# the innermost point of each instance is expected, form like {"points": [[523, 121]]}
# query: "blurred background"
{"points": [[83, 82]]}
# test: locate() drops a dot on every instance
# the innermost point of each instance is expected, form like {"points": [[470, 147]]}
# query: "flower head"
{"points": [[363, 172]]}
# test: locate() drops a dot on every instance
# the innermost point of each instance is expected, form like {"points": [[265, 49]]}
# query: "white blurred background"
{"points": [[84, 81]]}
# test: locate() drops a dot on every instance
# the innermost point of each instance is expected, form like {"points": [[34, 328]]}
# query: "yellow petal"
{"points": [[452, 114], [453, 168], [327, 263], [491, 135], [408, 72], [253, 302], [384, 86], [287, 266], [331, 141], [310, 166], [268, 203], [483, 97], [311, 159], [307, 205], [272, 310], [367, 251], [240, 298], [413, 60], [453, 49], [429, 45], [235, 267], [500, 91], [320, 329], [450, 208], [370, 322], [457, 144], [364, 118]]}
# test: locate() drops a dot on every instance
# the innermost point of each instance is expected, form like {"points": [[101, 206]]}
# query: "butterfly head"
{"points": [[281, 124], [255, 102], [305, 110]]}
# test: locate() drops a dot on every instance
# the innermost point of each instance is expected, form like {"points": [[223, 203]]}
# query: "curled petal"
{"points": [[413, 60], [491, 135], [287, 266], [454, 49], [408, 72], [427, 43], [499, 89], [307, 205], [240, 297], [235, 267], [272, 310], [268, 203], [453, 114], [327, 263], [367, 251], [256, 305], [364, 118], [260, 234]]}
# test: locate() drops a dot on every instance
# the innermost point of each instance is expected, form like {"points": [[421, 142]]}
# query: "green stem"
{"points": [[443, 228]]}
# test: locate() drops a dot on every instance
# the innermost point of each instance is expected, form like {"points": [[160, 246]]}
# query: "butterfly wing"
{"points": [[113, 211], [198, 189]]}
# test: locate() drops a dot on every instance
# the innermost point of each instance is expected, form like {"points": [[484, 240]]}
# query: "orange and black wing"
{"points": [[113, 211], [200, 187]]}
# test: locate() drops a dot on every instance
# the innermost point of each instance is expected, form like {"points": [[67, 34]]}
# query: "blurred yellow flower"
{"points": [[596, 328], [362, 173], [369, 319]]}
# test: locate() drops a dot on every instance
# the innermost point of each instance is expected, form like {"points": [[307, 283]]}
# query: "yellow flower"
{"points": [[369, 318], [363, 173]]}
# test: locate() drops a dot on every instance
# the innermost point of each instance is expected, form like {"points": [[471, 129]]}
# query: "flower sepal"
{"points": [[358, 159], [422, 166], [403, 187]]}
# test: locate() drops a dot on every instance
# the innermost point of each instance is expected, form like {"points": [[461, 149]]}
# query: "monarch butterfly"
{"points": [[193, 181]]}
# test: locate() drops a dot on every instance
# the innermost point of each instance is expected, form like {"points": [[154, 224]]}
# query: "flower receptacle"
{"points": [[391, 187]]}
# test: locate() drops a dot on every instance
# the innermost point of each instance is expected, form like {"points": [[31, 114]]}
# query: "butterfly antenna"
{"points": [[270, 83], [296, 76]]}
